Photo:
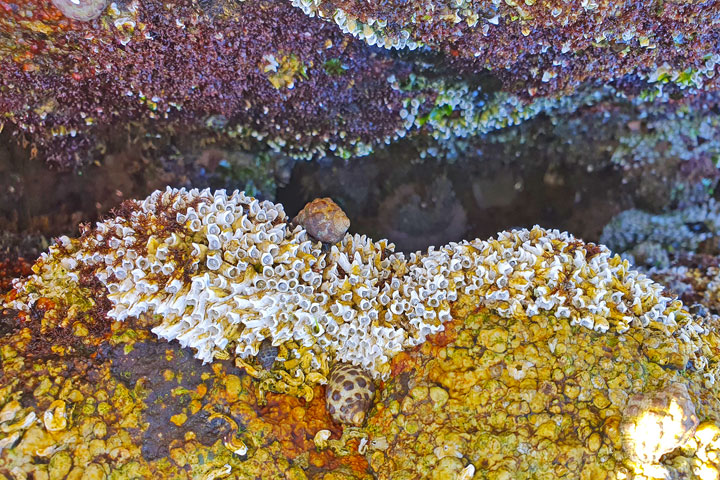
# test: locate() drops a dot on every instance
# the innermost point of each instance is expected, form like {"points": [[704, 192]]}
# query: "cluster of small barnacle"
{"points": [[689, 77], [379, 295], [543, 400], [672, 137], [677, 249], [414, 27], [229, 271], [683, 229], [460, 111], [372, 31], [51, 273], [349, 148]]}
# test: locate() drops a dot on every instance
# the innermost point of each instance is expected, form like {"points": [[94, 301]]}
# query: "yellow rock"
{"points": [[448, 468], [97, 447], [75, 474], [547, 430], [100, 429], [233, 387], [495, 339], [179, 419], [36, 439], [60, 465], [94, 472], [439, 396], [419, 393], [594, 442], [179, 456]]}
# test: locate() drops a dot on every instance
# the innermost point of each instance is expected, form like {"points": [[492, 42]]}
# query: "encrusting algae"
{"points": [[513, 357]]}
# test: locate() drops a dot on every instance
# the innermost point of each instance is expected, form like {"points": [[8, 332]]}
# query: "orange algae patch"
{"points": [[402, 362], [444, 338], [358, 463], [327, 460], [294, 422]]}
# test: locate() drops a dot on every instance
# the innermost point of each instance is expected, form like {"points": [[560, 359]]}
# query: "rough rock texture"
{"points": [[495, 397], [538, 398]]}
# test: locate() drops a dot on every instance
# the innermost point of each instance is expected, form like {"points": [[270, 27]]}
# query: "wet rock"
{"points": [[165, 367], [9, 321]]}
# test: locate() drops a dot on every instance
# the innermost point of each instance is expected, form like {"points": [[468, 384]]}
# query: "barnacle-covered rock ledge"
{"points": [[201, 334]]}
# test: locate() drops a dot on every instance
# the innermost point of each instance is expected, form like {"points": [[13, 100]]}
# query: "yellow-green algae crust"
{"points": [[105, 415], [531, 398], [534, 399]]}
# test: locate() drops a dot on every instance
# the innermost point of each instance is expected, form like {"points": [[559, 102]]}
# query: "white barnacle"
{"points": [[356, 302]]}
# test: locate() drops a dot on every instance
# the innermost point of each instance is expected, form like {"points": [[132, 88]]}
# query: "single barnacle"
{"points": [[81, 10], [349, 394], [55, 418], [10, 440], [289, 380], [267, 354], [21, 424], [220, 472], [324, 220], [321, 439], [467, 473], [341, 447], [9, 411], [250, 370], [657, 423], [235, 444], [231, 440]]}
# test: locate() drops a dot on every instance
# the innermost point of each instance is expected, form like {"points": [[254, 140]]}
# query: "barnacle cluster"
{"points": [[695, 278], [225, 272], [495, 32], [681, 135], [677, 249], [313, 67], [651, 237]]}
